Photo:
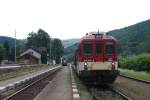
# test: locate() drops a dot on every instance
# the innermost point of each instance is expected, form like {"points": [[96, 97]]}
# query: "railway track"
{"points": [[138, 80], [30, 91], [107, 93]]}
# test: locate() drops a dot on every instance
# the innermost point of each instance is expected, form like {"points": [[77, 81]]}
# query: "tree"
{"points": [[43, 39], [7, 48], [40, 39], [44, 57], [57, 50], [144, 47], [32, 39], [2, 53]]}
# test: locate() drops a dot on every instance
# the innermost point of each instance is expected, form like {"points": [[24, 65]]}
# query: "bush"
{"points": [[138, 63]]}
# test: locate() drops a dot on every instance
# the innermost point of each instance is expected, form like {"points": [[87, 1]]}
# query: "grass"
{"points": [[135, 91], [135, 74], [20, 72], [83, 92]]}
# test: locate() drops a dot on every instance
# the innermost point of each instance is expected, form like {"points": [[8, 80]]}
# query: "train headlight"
{"points": [[85, 65], [113, 65]]}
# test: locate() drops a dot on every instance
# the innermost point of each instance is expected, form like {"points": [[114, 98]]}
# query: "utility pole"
{"points": [[15, 45]]}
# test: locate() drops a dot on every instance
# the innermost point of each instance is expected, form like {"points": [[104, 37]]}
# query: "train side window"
{"points": [[98, 48], [109, 49], [87, 49]]}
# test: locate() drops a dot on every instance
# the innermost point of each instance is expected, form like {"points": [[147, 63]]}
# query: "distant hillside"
{"points": [[11, 40], [69, 42], [133, 39]]}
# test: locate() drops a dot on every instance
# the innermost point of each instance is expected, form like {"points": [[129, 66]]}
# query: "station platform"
{"points": [[14, 80], [60, 88]]}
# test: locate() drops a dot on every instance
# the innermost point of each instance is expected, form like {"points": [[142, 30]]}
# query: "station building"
{"points": [[30, 55]]}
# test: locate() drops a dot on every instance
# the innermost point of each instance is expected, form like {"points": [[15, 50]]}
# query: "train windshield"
{"points": [[98, 48], [88, 49], [109, 49]]}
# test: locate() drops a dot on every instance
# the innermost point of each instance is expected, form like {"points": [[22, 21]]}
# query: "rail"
{"points": [[121, 94]]}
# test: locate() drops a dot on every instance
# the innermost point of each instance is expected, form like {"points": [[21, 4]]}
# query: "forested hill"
{"points": [[10, 40], [133, 39]]}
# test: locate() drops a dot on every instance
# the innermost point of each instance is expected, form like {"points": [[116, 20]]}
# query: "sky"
{"points": [[66, 19]]}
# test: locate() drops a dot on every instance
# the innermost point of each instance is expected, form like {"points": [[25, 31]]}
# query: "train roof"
{"points": [[97, 37]]}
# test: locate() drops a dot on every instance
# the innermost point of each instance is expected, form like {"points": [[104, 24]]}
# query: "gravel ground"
{"points": [[135, 90], [59, 88]]}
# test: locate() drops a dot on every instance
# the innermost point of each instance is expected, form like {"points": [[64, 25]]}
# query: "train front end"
{"points": [[97, 59]]}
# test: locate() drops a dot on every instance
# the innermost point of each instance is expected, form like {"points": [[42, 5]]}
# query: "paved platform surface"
{"points": [[59, 88], [5, 83]]}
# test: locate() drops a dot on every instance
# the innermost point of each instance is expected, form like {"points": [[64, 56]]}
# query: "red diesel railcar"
{"points": [[95, 59]]}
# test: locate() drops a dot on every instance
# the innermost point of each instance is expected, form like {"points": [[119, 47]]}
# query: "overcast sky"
{"points": [[66, 19]]}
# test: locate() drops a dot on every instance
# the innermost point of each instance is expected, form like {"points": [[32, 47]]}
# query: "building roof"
{"points": [[39, 50], [35, 52]]}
